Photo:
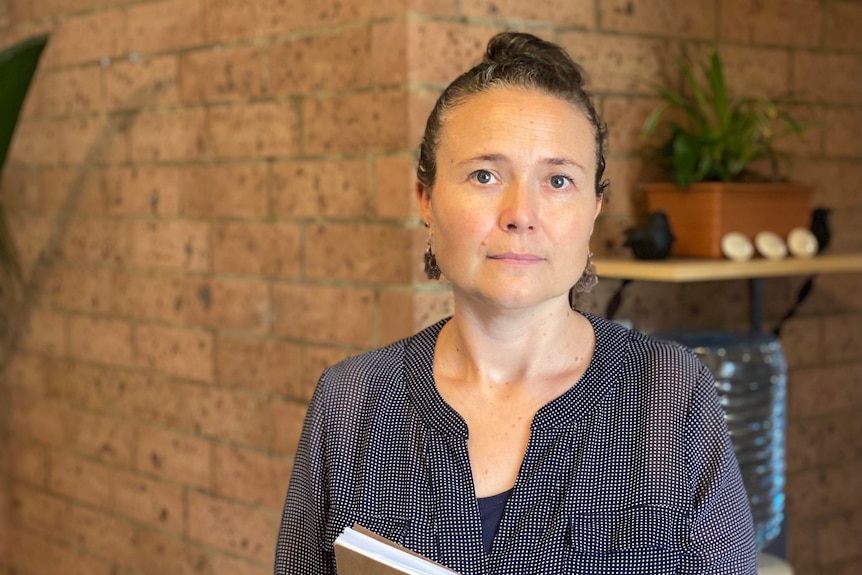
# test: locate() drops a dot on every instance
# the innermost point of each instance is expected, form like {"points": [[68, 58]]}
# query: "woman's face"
{"points": [[514, 202]]}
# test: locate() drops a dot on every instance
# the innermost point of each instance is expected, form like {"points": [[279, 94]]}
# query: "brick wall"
{"points": [[213, 200]]}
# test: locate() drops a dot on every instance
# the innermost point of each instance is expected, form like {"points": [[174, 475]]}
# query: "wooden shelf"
{"points": [[697, 270]]}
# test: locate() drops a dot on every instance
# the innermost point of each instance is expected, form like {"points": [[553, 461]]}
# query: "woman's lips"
{"points": [[517, 258]]}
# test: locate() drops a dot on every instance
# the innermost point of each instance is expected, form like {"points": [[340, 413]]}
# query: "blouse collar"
{"points": [[602, 375]]}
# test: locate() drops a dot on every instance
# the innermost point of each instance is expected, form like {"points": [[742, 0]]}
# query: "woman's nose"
{"points": [[517, 214]]}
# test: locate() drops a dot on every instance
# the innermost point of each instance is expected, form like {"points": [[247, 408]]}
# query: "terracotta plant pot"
{"points": [[701, 214]]}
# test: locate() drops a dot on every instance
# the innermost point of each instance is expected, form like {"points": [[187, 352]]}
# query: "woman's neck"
{"points": [[513, 346]]}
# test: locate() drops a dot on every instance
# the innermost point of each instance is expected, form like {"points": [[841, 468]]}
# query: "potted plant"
{"points": [[710, 151]]}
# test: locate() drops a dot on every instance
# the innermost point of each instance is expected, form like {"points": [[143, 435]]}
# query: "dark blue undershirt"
{"points": [[491, 512]]}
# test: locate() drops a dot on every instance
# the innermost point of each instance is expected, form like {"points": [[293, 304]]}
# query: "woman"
{"points": [[519, 436]]}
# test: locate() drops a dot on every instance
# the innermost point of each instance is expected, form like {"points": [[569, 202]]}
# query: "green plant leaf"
{"points": [[17, 65]]}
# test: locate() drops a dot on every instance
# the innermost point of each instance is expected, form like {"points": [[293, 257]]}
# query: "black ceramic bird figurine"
{"points": [[653, 241], [820, 227]]}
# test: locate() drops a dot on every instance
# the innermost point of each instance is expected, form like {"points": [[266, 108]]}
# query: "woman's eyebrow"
{"points": [[567, 162], [493, 158]]}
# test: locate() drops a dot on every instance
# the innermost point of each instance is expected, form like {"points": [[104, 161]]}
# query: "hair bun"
{"points": [[507, 48]]}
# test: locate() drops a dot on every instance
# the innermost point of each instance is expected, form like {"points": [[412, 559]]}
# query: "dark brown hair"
{"points": [[514, 60]]}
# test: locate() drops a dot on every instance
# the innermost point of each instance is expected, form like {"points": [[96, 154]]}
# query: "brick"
{"points": [[842, 178], [38, 421], [173, 351], [433, 7], [142, 397], [86, 38], [580, 13], [164, 26], [372, 253], [79, 289], [227, 565], [262, 365], [395, 315], [251, 477], [819, 493], [226, 20], [87, 139], [684, 18], [99, 340], [174, 245], [844, 125], [254, 130], [175, 135], [288, 418], [233, 528], [45, 332], [396, 185], [800, 341], [774, 22], [841, 338], [36, 143], [96, 241], [103, 438], [335, 188], [337, 60], [102, 534], [70, 190], [839, 537], [150, 297], [222, 74], [828, 77], [152, 502], [130, 85], [28, 463], [36, 554], [628, 115], [233, 191], [620, 63], [355, 123], [843, 292], [177, 457], [159, 553], [756, 71], [323, 314], [228, 304], [843, 21], [802, 544], [26, 373], [80, 480], [621, 197], [257, 248], [142, 190], [37, 510], [70, 91], [845, 231], [229, 415], [457, 47], [389, 53]]}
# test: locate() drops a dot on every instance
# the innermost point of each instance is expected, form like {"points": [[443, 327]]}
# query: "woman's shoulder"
{"points": [[381, 367]]}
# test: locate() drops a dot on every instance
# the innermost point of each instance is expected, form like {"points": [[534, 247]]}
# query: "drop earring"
{"points": [[588, 279], [432, 270]]}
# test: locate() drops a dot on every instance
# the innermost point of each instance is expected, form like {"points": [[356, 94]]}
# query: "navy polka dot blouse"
{"points": [[631, 471]]}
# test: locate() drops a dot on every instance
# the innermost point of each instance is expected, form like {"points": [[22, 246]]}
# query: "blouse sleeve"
{"points": [[302, 547], [722, 534]]}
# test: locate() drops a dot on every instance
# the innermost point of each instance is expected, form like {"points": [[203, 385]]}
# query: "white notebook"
{"points": [[359, 551]]}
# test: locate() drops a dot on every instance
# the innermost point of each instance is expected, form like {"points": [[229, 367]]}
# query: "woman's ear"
{"points": [[423, 195]]}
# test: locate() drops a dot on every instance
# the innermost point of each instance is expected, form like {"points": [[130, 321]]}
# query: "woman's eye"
{"points": [[559, 182], [483, 177]]}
